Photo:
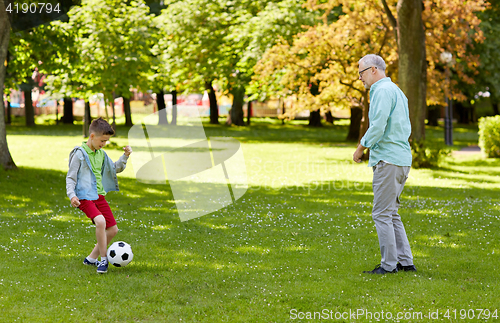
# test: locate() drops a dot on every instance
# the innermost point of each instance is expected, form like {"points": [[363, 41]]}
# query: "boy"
{"points": [[91, 175]]}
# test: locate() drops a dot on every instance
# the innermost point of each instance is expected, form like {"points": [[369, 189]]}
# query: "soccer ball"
{"points": [[120, 254]]}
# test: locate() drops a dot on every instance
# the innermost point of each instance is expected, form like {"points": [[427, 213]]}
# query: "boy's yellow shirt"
{"points": [[96, 161]]}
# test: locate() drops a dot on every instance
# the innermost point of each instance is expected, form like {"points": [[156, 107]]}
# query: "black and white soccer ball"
{"points": [[120, 254]]}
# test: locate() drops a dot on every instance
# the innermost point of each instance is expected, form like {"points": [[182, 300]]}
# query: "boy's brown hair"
{"points": [[101, 127]]}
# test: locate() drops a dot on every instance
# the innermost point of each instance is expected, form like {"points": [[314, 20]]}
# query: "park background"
{"points": [[300, 237]]}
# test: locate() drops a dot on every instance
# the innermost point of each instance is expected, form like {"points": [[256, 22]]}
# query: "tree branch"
{"points": [[351, 86], [383, 42], [391, 18]]}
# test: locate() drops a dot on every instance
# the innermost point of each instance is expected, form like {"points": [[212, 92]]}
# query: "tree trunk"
{"points": [[237, 107], [355, 125], [68, 111], [9, 113], [249, 112], [365, 122], [496, 108], [464, 112], [86, 119], [329, 117], [29, 111], [495, 103], [113, 125], [433, 114], [315, 119], [214, 109], [162, 108], [283, 110], [174, 108], [412, 63], [128, 112], [5, 158]]}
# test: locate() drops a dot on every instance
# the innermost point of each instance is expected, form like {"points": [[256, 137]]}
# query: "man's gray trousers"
{"points": [[388, 184]]}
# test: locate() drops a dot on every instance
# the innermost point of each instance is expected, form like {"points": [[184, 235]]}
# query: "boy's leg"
{"points": [[102, 268], [90, 209], [110, 225], [100, 234], [110, 234]]}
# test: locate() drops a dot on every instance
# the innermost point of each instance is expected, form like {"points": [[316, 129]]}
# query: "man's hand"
{"points": [[75, 202], [127, 150], [358, 154]]}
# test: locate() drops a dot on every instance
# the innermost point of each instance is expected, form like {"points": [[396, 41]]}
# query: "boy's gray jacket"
{"points": [[81, 181]]}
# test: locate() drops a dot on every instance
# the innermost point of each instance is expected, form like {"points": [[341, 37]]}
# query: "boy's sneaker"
{"points": [[102, 268], [88, 263]]}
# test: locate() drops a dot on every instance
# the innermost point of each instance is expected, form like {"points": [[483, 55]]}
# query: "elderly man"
{"points": [[390, 158]]}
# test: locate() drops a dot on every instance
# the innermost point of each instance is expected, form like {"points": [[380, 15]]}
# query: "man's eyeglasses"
{"points": [[366, 69]]}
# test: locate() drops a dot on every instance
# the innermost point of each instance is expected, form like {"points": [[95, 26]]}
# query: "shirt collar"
{"points": [[87, 148], [379, 82]]}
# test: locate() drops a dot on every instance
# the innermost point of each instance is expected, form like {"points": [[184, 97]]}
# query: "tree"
{"points": [[319, 68], [328, 54], [111, 39], [65, 74], [34, 52], [162, 77], [489, 56], [258, 25], [452, 26], [191, 33], [424, 31], [6, 160], [6, 21], [412, 70], [210, 43]]}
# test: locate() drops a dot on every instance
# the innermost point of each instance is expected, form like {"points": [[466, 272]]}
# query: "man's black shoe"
{"points": [[406, 268], [381, 271]]}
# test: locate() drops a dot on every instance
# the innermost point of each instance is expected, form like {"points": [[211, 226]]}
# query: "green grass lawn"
{"points": [[296, 242]]}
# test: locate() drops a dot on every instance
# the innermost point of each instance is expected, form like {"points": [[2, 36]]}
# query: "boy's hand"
{"points": [[75, 202], [127, 150]]}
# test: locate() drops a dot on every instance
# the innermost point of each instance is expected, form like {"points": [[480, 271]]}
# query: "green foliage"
{"points": [[110, 50], [37, 49], [192, 33], [489, 55], [489, 136], [427, 154], [222, 40], [487, 72]]}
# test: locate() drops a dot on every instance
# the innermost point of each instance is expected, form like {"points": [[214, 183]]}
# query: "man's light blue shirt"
{"points": [[390, 127]]}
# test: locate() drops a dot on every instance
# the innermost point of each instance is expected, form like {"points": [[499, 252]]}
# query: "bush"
{"points": [[489, 136], [427, 154]]}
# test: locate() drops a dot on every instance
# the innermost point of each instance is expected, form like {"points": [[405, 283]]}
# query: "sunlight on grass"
{"points": [[252, 249], [65, 218], [217, 226], [162, 227], [297, 248]]}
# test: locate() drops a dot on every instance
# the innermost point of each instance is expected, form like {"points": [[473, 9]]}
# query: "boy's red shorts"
{"points": [[98, 207]]}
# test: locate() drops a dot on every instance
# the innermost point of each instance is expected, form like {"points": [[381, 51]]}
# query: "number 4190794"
{"points": [[481, 314], [33, 8]]}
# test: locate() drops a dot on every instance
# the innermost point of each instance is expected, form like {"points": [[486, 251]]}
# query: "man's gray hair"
{"points": [[373, 60]]}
